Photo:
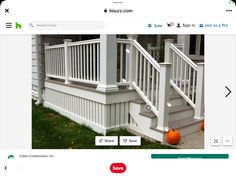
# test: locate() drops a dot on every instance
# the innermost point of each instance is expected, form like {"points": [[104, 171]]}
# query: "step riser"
{"points": [[181, 115]]}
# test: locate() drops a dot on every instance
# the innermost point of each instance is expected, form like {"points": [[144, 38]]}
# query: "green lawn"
{"points": [[50, 130]]}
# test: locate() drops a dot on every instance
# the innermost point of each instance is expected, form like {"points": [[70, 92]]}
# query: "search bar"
{"points": [[66, 25]]}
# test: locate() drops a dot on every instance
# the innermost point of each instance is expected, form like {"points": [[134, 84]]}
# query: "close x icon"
{"points": [[6, 9]]}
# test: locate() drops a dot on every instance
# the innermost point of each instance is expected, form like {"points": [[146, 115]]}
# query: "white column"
{"points": [[164, 90], [67, 66], [167, 56], [108, 63], [132, 59], [46, 60], [199, 109]]}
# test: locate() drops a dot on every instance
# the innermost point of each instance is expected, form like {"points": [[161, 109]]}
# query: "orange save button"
{"points": [[118, 168]]}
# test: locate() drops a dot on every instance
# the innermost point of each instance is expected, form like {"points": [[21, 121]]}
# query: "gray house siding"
{"points": [[34, 69]]}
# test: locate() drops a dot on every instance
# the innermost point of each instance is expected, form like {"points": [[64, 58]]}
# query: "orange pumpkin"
{"points": [[202, 126], [173, 137]]}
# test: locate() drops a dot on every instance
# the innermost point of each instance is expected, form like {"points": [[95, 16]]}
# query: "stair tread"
{"points": [[148, 114], [183, 107], [183, 123]]}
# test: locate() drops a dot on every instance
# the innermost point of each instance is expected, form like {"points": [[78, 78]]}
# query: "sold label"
{"points": [[118, 168]]}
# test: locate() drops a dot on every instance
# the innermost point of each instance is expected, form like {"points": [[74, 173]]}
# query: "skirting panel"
{"points": [[100, 117]]}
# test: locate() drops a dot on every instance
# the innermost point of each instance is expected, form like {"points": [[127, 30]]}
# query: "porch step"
{"points": [[180, 108], [176, 100], [183, 123], [148, 114], [185, 126], [180, 112]]}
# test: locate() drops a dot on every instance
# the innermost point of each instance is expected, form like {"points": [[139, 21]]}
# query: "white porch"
{"points": [[109, 83]]}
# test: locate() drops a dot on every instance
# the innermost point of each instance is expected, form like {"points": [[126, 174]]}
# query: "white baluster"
{"points": [[90, 62], [137, 61], [98, 62], [121, 62], [94, 63], [148, 81], [140, 70], [152, 88]]}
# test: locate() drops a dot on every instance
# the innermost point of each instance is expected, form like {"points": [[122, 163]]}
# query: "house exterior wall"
{"points": [[34, 68]]}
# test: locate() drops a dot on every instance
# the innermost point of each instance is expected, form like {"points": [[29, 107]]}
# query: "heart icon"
{"points": [[100, 140], [125, 140]]}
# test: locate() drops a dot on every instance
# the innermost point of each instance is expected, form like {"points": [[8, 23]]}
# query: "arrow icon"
{"points": [[228, 92]]}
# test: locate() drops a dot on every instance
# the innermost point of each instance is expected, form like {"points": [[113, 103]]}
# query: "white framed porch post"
{"points": [[67, 66], [132, 60], [199, 109], [164, 91], [108, 63]]}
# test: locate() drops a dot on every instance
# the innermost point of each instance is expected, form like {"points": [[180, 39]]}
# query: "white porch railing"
{"points": [[84, 61], [54, 63], [151, 82], [184, 75], [80, 61], [147, 76], [187, 78], [74, 61]]}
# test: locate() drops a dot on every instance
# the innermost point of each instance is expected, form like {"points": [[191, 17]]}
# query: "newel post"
{"points": [[132, 59], [67, 57], [167, 56], [199, 109], [46, 60], [163, 100]]}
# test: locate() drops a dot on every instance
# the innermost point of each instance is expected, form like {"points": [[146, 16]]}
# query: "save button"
{"points": [[118, 168]]}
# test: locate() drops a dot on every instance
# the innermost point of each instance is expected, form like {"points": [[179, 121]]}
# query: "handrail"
{"points": [[146, 55], [183, 56], [91, 41]]}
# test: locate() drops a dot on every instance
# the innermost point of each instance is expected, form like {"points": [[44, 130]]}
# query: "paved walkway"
{"points": [[192, 141]]}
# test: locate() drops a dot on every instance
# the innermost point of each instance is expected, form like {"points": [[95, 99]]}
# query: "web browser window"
{"points": [[117, 88]]}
